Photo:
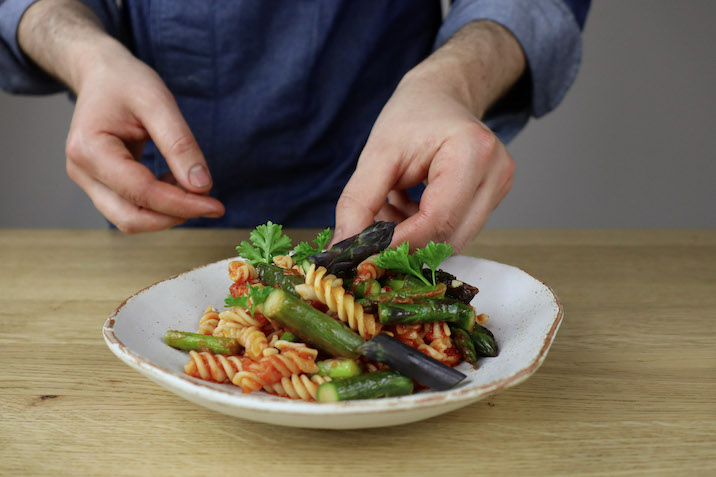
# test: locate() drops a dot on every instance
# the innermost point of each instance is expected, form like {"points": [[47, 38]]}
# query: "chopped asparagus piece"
{"points": [[197, 342], [366, 386]]}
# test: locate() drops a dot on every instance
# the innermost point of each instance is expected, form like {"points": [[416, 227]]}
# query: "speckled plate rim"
{"points": [[199, 388]]}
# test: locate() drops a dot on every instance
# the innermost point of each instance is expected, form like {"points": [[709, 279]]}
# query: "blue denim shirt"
{"points": [[281, 96]]}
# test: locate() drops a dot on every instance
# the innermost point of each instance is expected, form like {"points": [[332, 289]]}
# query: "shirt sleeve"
{"points": [[18, 74], [550, 35]]}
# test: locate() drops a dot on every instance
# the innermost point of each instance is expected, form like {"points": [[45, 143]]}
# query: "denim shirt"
{"points": [[281, 96]]}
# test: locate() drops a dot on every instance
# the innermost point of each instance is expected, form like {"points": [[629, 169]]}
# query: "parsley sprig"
{"points": [[257, 294], [267, 241], [400, 260], [304, 250]]}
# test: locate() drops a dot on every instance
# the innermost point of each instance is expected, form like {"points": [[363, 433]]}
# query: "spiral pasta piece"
{"points": [[241, 272], [298, 386], [254, 340], [247, 381], [329, 291], [438, 335], [210, 367], [368, 270], [240, 315], [284, 261], [209, 321], [413, 332], [270, 369], [430, 351], [251, 338]]}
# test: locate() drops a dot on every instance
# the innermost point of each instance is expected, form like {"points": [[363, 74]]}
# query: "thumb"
{"points": [[175, 141], [364, 196]]}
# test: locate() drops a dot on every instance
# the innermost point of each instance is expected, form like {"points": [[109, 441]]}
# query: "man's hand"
{"points": [[430, 130], [121, 104]]}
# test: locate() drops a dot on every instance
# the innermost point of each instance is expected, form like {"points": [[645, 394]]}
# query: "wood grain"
{"points": [[629, 386]]}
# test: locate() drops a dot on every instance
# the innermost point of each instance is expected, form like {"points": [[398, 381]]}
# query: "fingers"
{"points": [[105, 158], [364, 195], [463, 190], [453, 180], [171, 134], [126, 216], [402, 201]]}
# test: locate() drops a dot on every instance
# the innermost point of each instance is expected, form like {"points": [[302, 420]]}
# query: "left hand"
{"points": [[426, 133]]}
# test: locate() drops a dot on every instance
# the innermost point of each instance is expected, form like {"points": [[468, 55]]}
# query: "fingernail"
{"points": [[199, 176]]}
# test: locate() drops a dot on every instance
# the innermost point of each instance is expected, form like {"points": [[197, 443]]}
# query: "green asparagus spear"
{"points": [[428, 311], [339, 368], [464, 344], [197, 342], [401, 295], [274, 276], [484, 341], [313, 327], [366, 386], [362, 289]]}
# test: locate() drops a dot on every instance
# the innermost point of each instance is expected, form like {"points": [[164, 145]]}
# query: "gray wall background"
{"points": [[632, 146]]}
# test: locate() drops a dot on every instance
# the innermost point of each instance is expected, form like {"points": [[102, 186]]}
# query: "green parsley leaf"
{"points": [[237, 301], [304, 250], [433, 254], [257, 294], [400, 260], [268, 241]]}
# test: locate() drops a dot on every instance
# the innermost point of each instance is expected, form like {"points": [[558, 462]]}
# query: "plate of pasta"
{"points": [[356, 336]]}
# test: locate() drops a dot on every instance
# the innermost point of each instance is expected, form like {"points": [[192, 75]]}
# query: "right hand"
{"points": [[122, 103]]}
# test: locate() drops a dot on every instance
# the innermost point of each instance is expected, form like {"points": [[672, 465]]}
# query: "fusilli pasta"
{"points": [[241, 272], [209, 321], [329, 290], [210, 367], [251, 338], [298, 386], [368, 270], [239, 315]]}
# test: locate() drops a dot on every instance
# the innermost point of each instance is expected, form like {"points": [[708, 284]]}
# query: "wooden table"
{"points": [[628, 388]]}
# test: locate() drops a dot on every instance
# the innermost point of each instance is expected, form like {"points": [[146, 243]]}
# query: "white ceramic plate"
{"points": [[524, 317]]}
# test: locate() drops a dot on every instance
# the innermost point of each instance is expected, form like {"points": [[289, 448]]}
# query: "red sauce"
{"points": [[432, 293], [402, 301], [318, 305], [362, 277], [238, 289], [291, 272]]}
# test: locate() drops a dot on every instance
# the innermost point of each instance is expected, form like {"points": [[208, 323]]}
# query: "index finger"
{"points": [[364, 195], [166, 126], [112, 164]]}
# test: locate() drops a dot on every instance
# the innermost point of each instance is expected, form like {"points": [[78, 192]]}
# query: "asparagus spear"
{"points": [[428, 311], [367, 386], [347, 254], [484, 341], [464, 344], [412, 294], [313, 327], [457, 289], [274, 276], [362, 289], [339, 368], [197, 342], [398, 281], [411, 362]]}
